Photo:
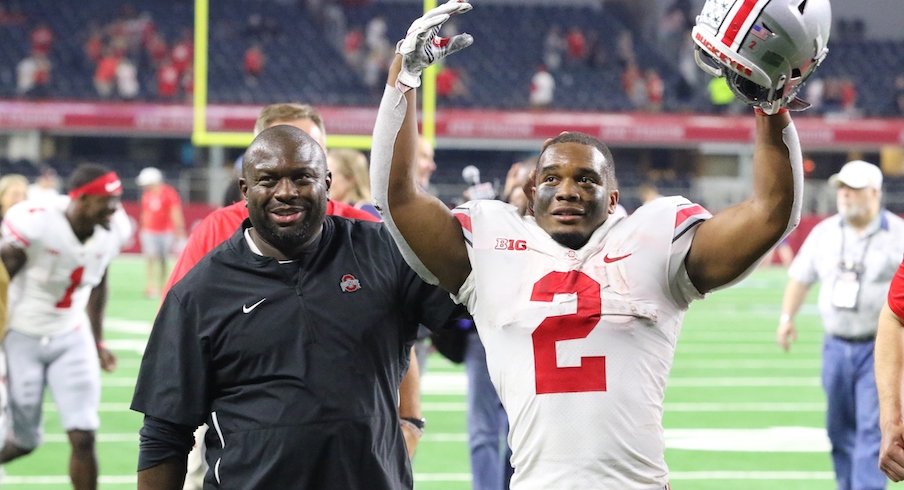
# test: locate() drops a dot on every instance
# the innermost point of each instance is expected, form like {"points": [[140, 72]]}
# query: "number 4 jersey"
{"points": [[49, 294], [580, 342]]}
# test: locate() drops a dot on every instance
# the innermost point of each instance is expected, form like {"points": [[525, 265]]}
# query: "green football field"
{"points": [[739, 413]]}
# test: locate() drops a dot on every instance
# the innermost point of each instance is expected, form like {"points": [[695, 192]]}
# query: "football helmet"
{"points": [[765, 49]]}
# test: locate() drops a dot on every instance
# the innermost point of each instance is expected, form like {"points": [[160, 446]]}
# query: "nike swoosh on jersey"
{"points": [[247, 309], [610, 260]]}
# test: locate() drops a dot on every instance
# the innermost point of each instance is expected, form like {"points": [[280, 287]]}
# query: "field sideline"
{"points": [[740, 413]]}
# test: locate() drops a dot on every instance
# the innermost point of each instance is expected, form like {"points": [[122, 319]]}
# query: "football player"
{"points": [[581, 351], [57, 253]]}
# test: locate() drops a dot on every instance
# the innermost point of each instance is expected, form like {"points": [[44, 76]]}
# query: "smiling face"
{"points": [[572, 193], [285, 184]]}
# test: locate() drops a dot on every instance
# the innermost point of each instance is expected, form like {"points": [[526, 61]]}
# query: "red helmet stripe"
{"points": [[748, 8]]}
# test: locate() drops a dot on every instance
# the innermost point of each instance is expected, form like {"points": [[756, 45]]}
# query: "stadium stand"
{"points": [[295, 40]]}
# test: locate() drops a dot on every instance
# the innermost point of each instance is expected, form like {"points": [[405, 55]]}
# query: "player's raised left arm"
{"points": [[97, 303], [727, 245], [765, 56], [428, 236]]}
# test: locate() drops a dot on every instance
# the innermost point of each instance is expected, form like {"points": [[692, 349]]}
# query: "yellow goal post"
{"points": [[202, 137]]}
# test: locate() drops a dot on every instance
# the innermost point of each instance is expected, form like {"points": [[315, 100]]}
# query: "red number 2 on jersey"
{"points": [[74, 280], [591, 374]]}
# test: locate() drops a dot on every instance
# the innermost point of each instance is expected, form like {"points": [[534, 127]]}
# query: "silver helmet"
{"points": [[765, 49]]}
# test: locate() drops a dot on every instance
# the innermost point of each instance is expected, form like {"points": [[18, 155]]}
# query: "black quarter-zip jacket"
{"points": [[295, 367]]}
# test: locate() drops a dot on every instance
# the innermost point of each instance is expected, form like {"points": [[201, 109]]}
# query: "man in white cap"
{"points": [[854, 254], [161, 223]]}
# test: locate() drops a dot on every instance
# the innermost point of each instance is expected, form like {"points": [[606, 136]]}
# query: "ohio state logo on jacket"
{"points": [[349, 283]]}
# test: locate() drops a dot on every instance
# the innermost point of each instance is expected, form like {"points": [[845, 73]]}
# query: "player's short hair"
{"points": [[287, 112], [85, 173], [583, 139]]}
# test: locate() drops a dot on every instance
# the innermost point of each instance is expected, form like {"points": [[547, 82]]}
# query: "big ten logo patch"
{"points": [[509, 244]]}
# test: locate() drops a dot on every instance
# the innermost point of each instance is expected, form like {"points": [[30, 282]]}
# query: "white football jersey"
{"points": [[580, 342], [49, 294]]}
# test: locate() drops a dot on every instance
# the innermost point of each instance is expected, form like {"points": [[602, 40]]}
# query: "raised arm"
{"points": [[727, 245], [766, 73], [426, 232]]}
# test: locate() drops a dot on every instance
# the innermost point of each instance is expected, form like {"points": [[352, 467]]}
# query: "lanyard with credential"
{"points": [[844, 264], [846, 289]]}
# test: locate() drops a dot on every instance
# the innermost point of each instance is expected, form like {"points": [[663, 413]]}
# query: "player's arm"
{"points": [[13, 258], [889, 368], [97, 303], [728, 244], [429, 237]]}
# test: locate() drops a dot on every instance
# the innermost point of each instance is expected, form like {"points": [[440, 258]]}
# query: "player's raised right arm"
{"points": [[429, 237]]}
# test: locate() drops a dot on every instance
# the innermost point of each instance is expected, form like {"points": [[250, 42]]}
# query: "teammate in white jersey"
{"points": [[57, 255], [580, 312]]}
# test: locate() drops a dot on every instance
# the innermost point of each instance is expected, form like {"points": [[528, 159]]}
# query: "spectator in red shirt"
{"points": [[254, 64], [167, 80], [576, 44], [183, 52], [41, 39], [655, 90], [449, 84], [161, 225], [94, 47], [353, 48], [105, 73], [156, 49]]}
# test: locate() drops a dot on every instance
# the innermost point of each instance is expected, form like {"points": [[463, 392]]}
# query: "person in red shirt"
{"points": [[161, 225], [183, 52], [223, 223], [41, 39], [167, 80], [254, 64], [105, 73], [889, 368]]}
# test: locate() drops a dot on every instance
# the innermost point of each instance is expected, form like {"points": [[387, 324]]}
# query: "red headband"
{"points": [[107, 184]]}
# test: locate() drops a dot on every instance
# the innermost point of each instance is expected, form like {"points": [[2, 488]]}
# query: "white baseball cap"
{"points": [[149, 176], [858, 174]]}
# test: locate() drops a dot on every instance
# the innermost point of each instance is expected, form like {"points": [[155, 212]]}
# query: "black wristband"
{"points": [[420, 423]]}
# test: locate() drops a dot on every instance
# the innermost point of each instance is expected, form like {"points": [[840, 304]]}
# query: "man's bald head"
{"points": [[285, 183], [284, 141]]}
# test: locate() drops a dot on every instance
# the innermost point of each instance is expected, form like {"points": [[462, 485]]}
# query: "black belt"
{"points": [[857, 340]]}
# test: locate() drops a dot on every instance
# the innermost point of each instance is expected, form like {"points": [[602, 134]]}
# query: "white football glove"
{"points": [[422, 47]]}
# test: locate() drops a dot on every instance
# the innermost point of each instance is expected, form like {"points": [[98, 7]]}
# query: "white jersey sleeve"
{"points": [[580, 342]]}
